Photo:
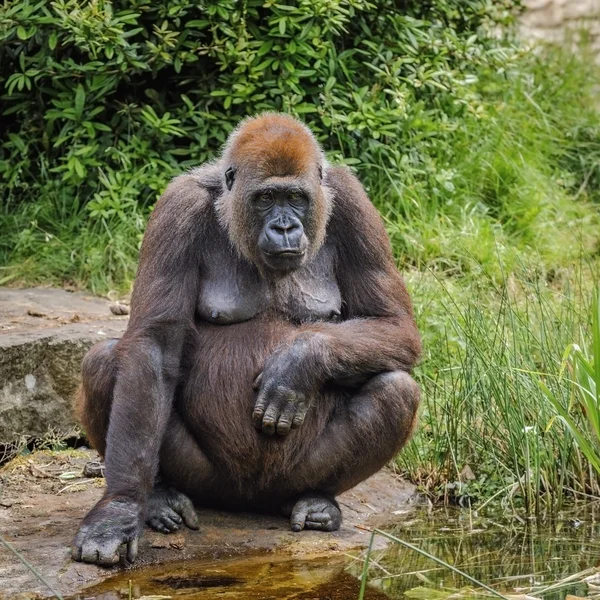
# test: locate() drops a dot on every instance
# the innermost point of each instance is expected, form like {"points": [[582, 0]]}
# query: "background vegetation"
{"points": [[481, 154]]}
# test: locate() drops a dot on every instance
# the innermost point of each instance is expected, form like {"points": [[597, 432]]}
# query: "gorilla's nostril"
{"points": [[284, 227]]}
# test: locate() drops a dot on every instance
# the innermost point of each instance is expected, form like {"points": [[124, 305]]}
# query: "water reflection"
{"points": [[263, 577], [509, 554], [513, 556]]}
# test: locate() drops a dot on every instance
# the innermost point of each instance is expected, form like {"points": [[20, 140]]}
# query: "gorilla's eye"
{"points": [[297, 199], [264, 200]]}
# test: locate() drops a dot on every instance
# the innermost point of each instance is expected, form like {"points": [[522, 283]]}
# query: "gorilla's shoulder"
{"points": [[188, 199], [351, 205]]}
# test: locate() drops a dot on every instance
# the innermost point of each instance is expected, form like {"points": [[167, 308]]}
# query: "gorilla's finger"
{"points": [[188, 512], [78, 543], [285, 419], [300, 415], [320, 525], [281, 397], [318, 516], [171, 524], [76, 553], [298, 518], [271, 416], [89, 552], [170, 511], [268, 425], [132, 549], [259, 408], [156, 524], [108, 554], [257, 381]]}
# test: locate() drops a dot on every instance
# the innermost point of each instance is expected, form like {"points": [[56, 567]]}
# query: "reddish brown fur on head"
{"points": [[271, 147], [274, 145]]}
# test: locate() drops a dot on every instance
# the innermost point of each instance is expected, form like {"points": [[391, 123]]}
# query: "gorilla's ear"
{"points": [[229, 177]]}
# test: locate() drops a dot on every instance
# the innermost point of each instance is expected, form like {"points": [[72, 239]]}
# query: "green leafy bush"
{"points": [[103, 102]]}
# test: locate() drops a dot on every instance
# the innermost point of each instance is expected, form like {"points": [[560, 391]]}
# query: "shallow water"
{"points": [[262, 577], [512, 556]]}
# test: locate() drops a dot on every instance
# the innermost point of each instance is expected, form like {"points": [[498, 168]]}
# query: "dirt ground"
{"points": [[44, 495]]}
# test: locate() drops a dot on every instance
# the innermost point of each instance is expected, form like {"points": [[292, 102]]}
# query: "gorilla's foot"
{"points": [[315, 511], [168, 509]]}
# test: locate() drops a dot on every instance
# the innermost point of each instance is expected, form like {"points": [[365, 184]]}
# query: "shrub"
{"points": [[103, 102]]}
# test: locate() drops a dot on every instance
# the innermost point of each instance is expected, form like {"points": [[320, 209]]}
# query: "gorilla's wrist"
{"points": [[309, 353]]}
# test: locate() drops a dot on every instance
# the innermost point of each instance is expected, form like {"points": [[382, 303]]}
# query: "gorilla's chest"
{"points": [[233, 291]]}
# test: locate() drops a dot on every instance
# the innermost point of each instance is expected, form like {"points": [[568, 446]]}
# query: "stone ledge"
{"points": [[40, 513], [44, 335]]}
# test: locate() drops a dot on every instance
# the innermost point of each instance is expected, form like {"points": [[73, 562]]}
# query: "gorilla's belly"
{"points": [[217, 400]]}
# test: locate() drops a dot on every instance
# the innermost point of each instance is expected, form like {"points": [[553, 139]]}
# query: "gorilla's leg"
{"points": [[94, 399], [366, 431], [183, 464], [167, 508]]}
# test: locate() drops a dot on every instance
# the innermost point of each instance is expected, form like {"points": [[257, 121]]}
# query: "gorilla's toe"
{"points": [[315, 511], [168, 509]]}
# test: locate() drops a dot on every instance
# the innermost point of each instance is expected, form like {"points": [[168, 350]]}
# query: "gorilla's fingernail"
{"points": [[296, 527]]}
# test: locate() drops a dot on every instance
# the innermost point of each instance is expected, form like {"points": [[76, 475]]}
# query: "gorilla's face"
{"points": [[278, 221], [281, 209]]}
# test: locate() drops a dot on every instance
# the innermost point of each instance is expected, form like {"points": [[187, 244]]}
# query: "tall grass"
{"points": [[486, 428], [502, 265], [582, 415]]}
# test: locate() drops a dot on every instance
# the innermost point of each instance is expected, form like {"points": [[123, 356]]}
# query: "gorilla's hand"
{"points": [[109, 525], [285, 387]]}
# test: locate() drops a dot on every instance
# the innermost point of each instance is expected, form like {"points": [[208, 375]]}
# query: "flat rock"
{"points": [[44, 495], [44, 334]]}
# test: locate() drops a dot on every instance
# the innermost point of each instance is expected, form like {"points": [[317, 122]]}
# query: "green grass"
{"points": [[486, 348], [581, 416], [494, 216]]}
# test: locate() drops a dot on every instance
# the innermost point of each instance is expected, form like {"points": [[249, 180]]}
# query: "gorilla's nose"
{"points": [[285, 235], [284, 228]]}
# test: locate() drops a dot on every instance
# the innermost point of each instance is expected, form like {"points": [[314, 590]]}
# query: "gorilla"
{"points": [[266, 364]]}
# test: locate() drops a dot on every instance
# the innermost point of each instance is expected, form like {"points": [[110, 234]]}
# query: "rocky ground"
{"points": [[44, 495]]}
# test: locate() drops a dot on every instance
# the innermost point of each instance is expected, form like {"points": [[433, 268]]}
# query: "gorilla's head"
{"points": [[274, 204]]}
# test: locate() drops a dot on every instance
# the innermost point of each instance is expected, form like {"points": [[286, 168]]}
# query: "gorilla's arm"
{"points": [[377, 332], [162, 309]]}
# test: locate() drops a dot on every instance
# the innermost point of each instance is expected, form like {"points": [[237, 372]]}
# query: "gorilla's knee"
{"points": [[402, 395], [402, 390], [96, 358], [94, 398], [390, 402]]}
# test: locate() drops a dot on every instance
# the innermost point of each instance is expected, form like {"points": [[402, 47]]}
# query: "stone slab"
{"points": [[44, 334]]}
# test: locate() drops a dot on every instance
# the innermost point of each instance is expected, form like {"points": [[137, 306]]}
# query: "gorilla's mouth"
{"points": [[287, 252]]}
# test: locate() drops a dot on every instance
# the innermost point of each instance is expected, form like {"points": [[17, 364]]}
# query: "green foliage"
{"points": [[103, 102], [582, 416], [487, 348]]}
